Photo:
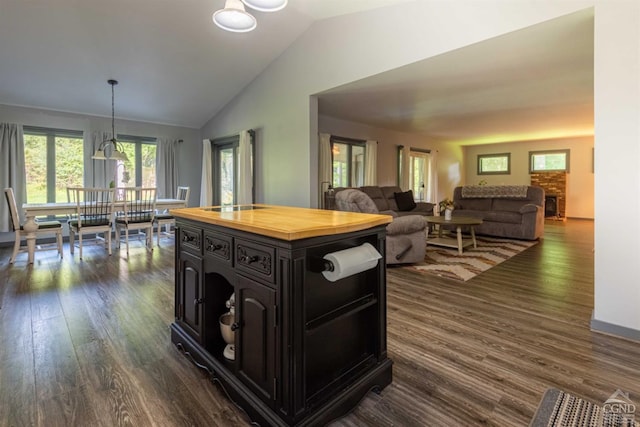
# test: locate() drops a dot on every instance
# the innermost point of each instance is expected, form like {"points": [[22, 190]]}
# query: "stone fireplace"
{"points": [[554, 184]]}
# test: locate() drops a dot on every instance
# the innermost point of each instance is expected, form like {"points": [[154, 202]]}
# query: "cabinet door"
{"points": [[256, 335], [190, 299]]}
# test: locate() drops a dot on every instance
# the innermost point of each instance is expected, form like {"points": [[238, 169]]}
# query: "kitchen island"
{"points": [[307, 349]]}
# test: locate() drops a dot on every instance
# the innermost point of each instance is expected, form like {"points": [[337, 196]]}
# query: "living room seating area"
{"points": [[512, 211]]}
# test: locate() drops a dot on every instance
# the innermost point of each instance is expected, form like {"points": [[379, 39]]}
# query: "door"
{"points": [[189, 312], [256, 333]]}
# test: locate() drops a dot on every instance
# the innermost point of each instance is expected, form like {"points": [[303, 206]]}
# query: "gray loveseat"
{"points": [[514, 211], [384, 198]]}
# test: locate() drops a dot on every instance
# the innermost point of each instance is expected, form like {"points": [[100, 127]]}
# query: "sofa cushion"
{"points": [[404, 200], [510, 205], [352, 200], [503, 216], [406, 225], [376, 194], [491, 216], [474, 204]]}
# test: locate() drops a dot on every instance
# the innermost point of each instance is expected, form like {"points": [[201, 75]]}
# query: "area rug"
{"points": [[490, 252], [560, 409]]}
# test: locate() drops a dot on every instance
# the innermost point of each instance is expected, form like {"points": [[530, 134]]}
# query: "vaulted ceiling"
{"points": [[174, 66], [535, 83]]}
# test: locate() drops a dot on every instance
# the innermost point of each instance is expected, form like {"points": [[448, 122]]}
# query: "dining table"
{"points": [[32, 210]]}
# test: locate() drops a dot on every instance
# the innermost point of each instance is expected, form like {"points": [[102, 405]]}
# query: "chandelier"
{"points": [[116, 152]]}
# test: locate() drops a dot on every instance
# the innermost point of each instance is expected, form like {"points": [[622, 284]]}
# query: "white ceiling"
{"points": [[176, 67], [534, 83]]}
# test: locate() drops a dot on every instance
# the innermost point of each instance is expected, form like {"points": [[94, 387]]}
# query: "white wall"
{"points": [[617, 154], [189, 150], [343, 49], [580, 180]]}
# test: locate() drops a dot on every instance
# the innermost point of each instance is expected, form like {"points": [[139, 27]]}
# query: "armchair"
{"points": [[406, 235]]}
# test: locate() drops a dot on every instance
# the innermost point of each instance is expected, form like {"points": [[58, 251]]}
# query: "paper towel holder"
{"points": [[318, 265]]}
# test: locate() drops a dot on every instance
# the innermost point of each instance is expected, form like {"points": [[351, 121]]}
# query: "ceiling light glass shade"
{"points": [[266, 5], [119, 155], [234, 18], [99, 155]]}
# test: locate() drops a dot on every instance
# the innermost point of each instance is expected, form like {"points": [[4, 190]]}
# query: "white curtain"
{"points": [[405, 176], [166, 168], [324, 165], [12, 169], [432, 178], [245, 170], [97, 173], [206, 183], [371, 166]]}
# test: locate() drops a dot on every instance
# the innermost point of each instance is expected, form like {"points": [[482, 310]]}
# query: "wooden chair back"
{"points": [[182, 193], [94, 206], [13, 208]]}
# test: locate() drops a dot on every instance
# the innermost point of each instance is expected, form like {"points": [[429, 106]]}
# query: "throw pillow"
{"points": [[405, 200]]}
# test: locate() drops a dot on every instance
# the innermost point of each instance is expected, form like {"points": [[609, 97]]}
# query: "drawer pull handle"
{"points": [[214, 248], [235, 326], [198, 301], [249, 259], [187, 238]]}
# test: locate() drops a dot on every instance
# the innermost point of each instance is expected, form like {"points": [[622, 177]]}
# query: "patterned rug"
{"points": [[560, 409], [490, 252]]}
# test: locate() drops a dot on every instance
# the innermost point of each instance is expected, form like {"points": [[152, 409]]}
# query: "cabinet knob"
{"points": [[235, 326], [198, 301]]}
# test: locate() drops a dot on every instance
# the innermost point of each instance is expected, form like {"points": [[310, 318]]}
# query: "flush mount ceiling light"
{"points": [[266, 5], [115, 152], [234, 18]]}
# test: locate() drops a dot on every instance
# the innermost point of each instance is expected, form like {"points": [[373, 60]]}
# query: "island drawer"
{"points": [[255, 259]]}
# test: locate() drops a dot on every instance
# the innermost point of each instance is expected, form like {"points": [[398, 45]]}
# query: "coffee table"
{"points": [[458, 222]]}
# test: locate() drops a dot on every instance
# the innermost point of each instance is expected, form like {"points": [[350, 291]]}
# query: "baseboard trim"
{"points": [[616, 330]]}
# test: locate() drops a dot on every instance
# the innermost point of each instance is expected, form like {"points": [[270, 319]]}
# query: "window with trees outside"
{"points": [[549, 161], [494, 164], [140, 168], [53, 162], [347, 162]]}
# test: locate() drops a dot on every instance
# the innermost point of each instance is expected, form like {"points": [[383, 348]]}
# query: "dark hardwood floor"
{"points": [[86, 343]]}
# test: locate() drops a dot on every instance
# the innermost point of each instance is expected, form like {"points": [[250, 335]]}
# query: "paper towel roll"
{"points": [[351, 261]]}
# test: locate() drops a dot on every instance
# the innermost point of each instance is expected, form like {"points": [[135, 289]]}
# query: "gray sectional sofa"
{"points": [[506, 211], [384, 198]]}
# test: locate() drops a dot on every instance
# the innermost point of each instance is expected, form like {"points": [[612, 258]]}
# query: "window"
{"points": [[549, 161], [347, 162], [53, 162], [140, 169], [225, 169], [494, 164]]}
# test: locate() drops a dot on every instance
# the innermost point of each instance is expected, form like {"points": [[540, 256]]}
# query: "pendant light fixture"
{"points": [[266, 5], [116, 152], [235, 18]]}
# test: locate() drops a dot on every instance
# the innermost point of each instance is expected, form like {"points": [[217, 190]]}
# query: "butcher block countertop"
{"points": [[282, 222]]}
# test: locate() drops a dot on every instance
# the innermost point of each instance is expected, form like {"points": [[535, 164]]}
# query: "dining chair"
{"points": [[138, 213], [94, 214], [44, 227], [165, 218]]}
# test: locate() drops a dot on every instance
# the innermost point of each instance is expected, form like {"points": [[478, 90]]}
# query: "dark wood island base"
{"points": [[307, 350]]}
